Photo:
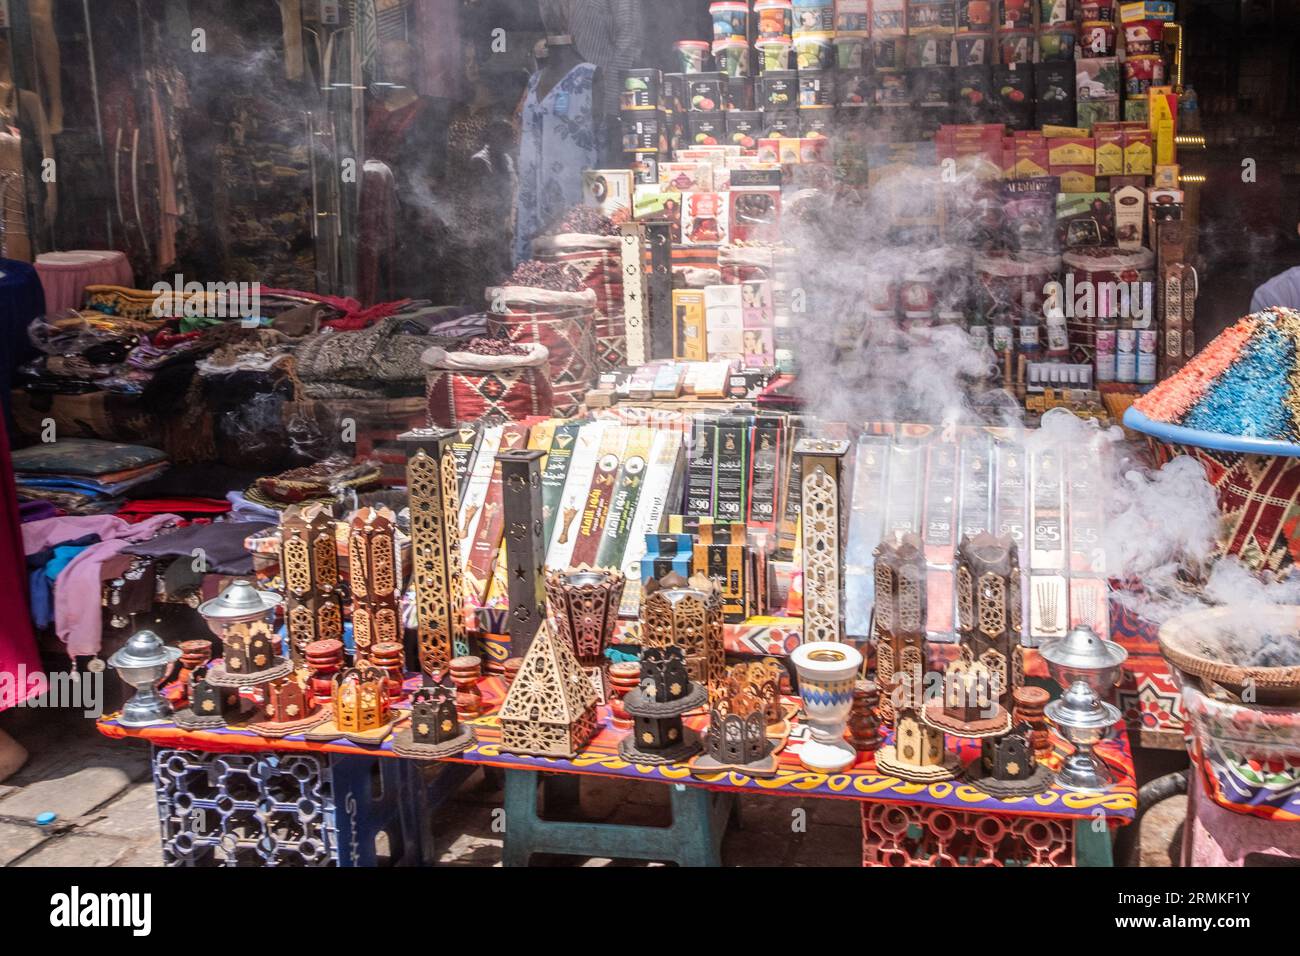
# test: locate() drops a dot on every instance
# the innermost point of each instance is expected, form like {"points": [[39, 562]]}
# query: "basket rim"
{"points": [[1214, 441]]}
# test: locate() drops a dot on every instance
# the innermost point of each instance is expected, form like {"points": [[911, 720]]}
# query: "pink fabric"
{"points": [[38, 535], [65, 275], [18, 654], [78, 619]]}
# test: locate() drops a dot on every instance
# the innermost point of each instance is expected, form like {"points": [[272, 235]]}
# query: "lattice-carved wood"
{"points": [[521, 500], [583, 604], [361, 701], [375, 576], [900, 621], [689, 618], [433, 493], [309, 567], [988, 609], [550, 710], [822, 519]]}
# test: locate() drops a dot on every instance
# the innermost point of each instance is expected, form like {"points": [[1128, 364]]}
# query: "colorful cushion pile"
{"points": [[1245, 383]]}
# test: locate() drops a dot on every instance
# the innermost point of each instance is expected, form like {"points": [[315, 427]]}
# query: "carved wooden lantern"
{"points": [[900, 621], [209, 705], [550, 710], [757, 684], [521, 500], [690, 618], [737, 738], [656, 706], [969, 705], [988, 609], [248, 656], [290, 701], [433, 493], [374, 573], [917, 753], [1007, 766], [361, 700], [435, 729], [309, 567], [584, 610], [822, 520]]}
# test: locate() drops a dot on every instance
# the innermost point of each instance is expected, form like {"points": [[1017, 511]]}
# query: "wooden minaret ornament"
{"points": [[899, 620], [822, 520], [521, 499], [373, 571], [988, 609], [432, 487], [309, 566]]}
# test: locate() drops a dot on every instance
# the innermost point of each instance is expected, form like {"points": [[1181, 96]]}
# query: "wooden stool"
{"points": [[693, 839]]}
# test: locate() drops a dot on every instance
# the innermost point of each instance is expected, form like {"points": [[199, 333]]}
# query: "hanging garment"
{"points": [[22, 299], [436, 37], [558, 142], [18, 656]]}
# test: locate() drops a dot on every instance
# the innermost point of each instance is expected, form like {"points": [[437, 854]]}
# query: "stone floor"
{"points": [[101, 791]]}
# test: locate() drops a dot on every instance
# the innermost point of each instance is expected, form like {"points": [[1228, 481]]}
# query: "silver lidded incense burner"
{"points": [[142, 662], [1083, 719]]}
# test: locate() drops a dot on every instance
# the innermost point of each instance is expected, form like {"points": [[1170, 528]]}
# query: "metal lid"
{"points": [[239, 600], [1081, 708], [144, 649], [1082, 649]]}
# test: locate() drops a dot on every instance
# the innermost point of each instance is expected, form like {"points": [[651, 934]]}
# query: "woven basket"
{"points": [[464, 387], [1256, 482]]}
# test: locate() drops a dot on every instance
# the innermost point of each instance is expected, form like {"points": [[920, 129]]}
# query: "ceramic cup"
{"points": [[827, 671]]}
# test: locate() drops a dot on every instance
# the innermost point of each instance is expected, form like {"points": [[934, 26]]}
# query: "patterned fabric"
{"points": [[568, 335], [510, 394], [1259, 501], [558, 142], [862, 781]]}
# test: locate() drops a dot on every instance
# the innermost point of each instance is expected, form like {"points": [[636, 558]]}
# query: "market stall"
{"points": [[788, 441]]}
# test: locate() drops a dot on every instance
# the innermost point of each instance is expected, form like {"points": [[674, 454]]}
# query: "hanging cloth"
{"points": [[558, 142]]}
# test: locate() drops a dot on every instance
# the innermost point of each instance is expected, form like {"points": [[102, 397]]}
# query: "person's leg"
{"points": [[12, 756]]}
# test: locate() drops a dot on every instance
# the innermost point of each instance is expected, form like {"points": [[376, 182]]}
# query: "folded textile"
{"points": [[221, 545], [324, 479], [245, 509], [83, 456], [137, 509]]}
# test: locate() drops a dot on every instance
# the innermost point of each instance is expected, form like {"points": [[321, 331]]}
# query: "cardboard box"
{"points": [[1076, 179], [1110, 152], [689, 177], [689, 328], [1072, 151], [609, 190], [1139, 157], [1130, 216], [705, 219]]}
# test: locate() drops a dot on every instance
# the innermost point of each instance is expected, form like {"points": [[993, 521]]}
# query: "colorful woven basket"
{"points": [[1256, 482]]}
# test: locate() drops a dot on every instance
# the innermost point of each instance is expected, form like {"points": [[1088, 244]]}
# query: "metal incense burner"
{"points": [[142, 662], [1081, 655], [1084, 720], [239, 603]]}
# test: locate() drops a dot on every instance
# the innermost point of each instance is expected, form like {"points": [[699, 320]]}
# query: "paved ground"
{"points": [[102, 793]]}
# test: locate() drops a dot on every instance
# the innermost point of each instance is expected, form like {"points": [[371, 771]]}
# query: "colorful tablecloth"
{"points": [[861, 782]]}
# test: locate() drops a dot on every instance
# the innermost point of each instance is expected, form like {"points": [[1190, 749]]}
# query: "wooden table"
{"points": [[1056, 827]]}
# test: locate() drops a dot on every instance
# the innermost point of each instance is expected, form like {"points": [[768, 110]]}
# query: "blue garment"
{"points": [[40, 577], [557, 143], [1283, 289]]}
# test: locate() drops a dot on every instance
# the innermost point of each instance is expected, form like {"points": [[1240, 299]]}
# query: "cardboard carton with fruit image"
{"points": [[706, 219]]}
